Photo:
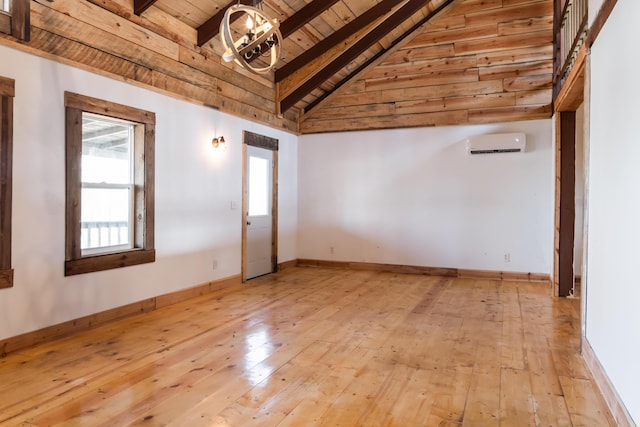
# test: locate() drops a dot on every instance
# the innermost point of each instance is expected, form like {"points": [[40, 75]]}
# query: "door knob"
{"points": [[248, 222]]}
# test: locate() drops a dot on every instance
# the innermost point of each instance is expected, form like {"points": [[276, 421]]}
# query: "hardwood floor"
{"points": [[316, 346]]}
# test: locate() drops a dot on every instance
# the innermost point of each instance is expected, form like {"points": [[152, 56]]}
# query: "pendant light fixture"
{"points": [[261, 38]]}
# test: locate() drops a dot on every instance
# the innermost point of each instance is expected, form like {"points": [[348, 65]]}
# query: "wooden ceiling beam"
{"points": [[324, 45], [140, 6], [304, 15], [211, 28], [378, 56], [359, 47], [300, 19]]}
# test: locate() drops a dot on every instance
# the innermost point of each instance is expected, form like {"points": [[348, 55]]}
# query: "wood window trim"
{"points": [[7, 93], [5, 22], [144, 154], [17, 23]]}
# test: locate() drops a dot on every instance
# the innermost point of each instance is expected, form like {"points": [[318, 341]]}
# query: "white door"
{"points": [[259, 218]]}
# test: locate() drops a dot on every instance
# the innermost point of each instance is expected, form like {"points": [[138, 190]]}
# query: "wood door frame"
{"points": [[267, 143], [569, 99]]}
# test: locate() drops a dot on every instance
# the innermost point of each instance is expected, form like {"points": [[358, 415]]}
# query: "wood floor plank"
{"points": [[356, 400], [583, 403], [337, 371], [413, 405], [313, 346], [317, 398], [451, 390], [386, 397], [516, 400], [482, 408]]}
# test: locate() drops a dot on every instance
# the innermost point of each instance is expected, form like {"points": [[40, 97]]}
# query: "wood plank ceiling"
{"points": [[345, 64], [364, 64]]}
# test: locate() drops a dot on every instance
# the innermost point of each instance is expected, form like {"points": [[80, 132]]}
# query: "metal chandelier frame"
{"points": [[262, 36]]}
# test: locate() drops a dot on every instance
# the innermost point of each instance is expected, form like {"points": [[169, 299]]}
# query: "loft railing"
{"points": [[96, 234], [571, 19]]}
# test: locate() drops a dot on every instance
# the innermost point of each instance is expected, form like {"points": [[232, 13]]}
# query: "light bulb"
{"points": [[249, 23], [219, 143]]}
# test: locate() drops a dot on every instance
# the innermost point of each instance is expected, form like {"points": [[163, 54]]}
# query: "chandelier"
{"points": [[261, 38]]}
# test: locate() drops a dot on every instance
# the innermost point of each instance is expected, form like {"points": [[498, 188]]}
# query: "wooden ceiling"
{"points": [[370, 64], [479, 62], [345, 64]]}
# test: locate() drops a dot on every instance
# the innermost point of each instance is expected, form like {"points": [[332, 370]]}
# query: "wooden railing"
{"points": [[104, 233], [571, 20]]}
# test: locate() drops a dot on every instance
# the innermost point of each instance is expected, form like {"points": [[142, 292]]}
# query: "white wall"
{"points": [[613, 292], [414, 197], [594, 7], [194, 189]]}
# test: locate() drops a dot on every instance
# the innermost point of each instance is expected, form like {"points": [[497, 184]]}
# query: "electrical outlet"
{"points": [[507, 257], [215, 264]]}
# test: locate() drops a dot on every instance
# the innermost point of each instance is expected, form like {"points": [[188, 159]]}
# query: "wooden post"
{"points": [[566, 140]]}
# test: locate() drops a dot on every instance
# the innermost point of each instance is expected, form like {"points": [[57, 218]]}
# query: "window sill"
{"points": [[92, 263], [6, 279]]}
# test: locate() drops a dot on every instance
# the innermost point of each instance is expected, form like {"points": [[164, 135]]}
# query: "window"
{"points": [[259, 184], [7, 93], [14, 18], [110, 173], [106, 222]]}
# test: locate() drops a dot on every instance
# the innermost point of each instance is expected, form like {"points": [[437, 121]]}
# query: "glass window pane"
{"points": [[106, 178], [258, 186], [105, 218], [6, 5], [106, 150]]}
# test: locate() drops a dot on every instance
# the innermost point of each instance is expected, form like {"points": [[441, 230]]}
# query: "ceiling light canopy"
{"points": [[262, 38]]}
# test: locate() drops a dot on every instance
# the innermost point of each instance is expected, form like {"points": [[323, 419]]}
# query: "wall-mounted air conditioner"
{"points": [[496, 143]]}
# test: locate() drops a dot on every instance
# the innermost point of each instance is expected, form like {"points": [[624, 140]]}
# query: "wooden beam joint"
{"points": [[299, 20], [385, 27], [377, 56], [139, 6], [304, 15], [211, 28], [343, 33]]}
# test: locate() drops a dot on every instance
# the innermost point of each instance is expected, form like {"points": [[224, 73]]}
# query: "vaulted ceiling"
{"points": [[345, 64], [387, 63]]}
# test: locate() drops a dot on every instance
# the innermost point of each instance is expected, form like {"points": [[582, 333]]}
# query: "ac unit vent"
{"points": [[496, 150], [496, 143]]}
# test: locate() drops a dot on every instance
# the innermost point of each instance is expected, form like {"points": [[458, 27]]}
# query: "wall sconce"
{"points": [[219, 143]]}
